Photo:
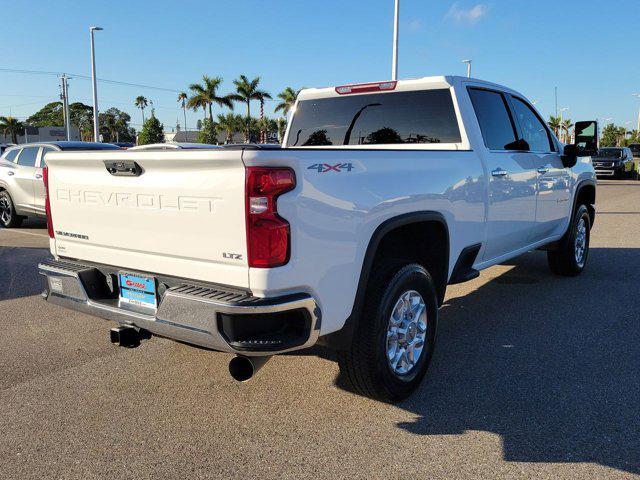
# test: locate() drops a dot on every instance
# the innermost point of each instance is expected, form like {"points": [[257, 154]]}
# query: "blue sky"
{"points": [[588, 48]]}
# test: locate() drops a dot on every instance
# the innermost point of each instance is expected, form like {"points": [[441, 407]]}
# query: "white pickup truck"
{"points": [[381, 195]]}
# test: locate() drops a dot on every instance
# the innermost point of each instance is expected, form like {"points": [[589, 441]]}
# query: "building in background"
{"points": [[43, 134]]}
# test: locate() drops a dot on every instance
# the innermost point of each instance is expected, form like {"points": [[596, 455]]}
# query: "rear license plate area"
{"points": [[137, 291]]}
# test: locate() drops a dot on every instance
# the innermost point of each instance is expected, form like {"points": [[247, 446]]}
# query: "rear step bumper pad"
{"points": [[184, 314]]}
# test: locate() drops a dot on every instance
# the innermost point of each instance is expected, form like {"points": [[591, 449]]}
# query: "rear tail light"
{"points": [[366, 87], [268, 234], [47, 203]]}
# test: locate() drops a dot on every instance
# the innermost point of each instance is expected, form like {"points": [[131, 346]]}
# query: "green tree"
{"points": [[248, 90], [142, 103], [610, 136], [288, 97], [229, 124], [208, 133], [51, 115], [566, 126], [11, 126], [114, 126], [282, 128], [266, 126], [152, 131], [205, 95], [554, 124]]}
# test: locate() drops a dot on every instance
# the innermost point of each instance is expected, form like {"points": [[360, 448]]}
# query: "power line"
{"points": [[86, 77]]}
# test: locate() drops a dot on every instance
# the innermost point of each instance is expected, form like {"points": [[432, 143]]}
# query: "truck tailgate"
{"points": [[184, 215]]}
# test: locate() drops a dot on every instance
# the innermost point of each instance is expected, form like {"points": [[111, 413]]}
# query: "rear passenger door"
{"points": [[512, 176], [554, 182], [24, 178]]}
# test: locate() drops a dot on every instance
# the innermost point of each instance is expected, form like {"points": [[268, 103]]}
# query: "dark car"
{"points": [[21, 183], [614, 162]]}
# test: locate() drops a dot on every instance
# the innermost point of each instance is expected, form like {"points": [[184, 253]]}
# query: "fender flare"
{"points": [[342, 338]]}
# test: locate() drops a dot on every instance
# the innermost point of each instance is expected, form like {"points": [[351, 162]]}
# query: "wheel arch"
{"points": [[383, 237]]}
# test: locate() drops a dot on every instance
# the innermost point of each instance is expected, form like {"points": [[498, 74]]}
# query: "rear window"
{"points": [[376, 119]]}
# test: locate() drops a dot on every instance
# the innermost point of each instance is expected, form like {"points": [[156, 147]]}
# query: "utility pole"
{"points": [[65, 105], [556, 89], [96, 129], [394, 60]]}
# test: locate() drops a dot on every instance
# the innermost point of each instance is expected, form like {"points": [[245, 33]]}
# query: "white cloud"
{"points": [[467, 15]]}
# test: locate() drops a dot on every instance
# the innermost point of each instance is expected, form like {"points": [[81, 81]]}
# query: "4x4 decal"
{"points": [[325, 167]]}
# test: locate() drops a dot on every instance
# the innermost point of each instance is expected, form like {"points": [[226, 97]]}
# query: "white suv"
{"points": [[21, 186]]}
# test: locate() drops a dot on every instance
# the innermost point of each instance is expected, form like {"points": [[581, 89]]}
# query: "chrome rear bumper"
{"points": [[187, 313]]}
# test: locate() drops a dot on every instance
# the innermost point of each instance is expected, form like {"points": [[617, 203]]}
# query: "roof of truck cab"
{"points": [[424, 83]]}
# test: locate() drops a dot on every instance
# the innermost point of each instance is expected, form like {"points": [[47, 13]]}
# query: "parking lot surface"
{"points": [[534, 376]]}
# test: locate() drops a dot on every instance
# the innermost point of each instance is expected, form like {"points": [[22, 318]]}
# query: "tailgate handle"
{"points": [[123, 168]]}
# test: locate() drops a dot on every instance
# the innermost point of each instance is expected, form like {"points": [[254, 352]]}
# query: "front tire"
{"points": [[393, 343], [571, 258], [8, 216]]}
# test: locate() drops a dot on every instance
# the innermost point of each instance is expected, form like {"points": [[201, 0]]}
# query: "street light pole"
{"points": [[394, 60], [468, 62], [96, 129], [637, 95]]}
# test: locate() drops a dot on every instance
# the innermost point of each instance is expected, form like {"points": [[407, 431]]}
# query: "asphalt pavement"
{"points": [[534, 376]]}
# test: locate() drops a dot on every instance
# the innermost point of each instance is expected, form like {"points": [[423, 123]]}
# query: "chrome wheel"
{"points": [[580, 246], [406, 332], [6, 212]]}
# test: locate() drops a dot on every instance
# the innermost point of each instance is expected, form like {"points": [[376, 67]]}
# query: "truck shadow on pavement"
{"points": [[19, 271], [550, 364]]}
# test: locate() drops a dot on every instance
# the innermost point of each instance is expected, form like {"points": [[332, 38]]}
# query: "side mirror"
{"points": [[586, 138], [569, 156]]}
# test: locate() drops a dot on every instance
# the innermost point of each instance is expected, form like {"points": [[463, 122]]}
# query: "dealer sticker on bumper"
{"points": [[138, 290]]}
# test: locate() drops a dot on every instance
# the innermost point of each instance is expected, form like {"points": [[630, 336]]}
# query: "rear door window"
{"points": [[493, 116], [28, 156], [415, 117]]}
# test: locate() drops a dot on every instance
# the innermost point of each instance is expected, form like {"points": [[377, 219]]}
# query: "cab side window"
{"points": [[28, 156], [533, 130], [493, 116]]}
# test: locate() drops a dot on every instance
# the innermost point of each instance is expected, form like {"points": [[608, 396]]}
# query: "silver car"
{"points": [[21, 185]]}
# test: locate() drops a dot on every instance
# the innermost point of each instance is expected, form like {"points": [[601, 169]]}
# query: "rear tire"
{"points": [[571, 258], [394, 340], [8, 216]]}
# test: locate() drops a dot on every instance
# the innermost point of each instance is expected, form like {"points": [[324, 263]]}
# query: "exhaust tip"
{"points": [[242, 369]]}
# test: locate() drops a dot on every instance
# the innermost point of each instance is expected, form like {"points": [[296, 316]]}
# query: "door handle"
{"points": [[543, 170], [37, 175], [10, 173], [498, 172]]}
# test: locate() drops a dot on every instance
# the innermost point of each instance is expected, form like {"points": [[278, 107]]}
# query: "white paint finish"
{"points": [[333, 215], [177, 218]]}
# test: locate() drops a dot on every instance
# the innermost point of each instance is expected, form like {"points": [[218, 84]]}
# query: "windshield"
{"points": [[383, 118], [610, 153]]}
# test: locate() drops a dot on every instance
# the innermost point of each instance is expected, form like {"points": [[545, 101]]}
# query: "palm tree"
{"points": [[229, 124], [182, 97], [288, 97], [248, 90], [205, 95], [566, 126], [11, 126], [554, 124], [141, 103], [282, 128]]}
